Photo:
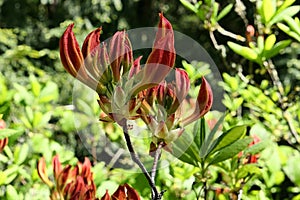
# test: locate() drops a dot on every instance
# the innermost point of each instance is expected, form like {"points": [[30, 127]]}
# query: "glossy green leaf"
{"points": [[228, 137], [11, 193], [185, 149], [210, 138], [225, 11], [257, 148], [270, 41], [244, 51], [231, 150]]}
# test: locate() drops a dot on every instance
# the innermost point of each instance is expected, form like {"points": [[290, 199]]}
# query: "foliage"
{"points": [[255, 44]]}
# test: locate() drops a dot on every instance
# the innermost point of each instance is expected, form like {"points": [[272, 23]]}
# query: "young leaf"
{"points": [[292, 24], [270, 41], [268, 9], [276, 49], [288, 31], [231, 150], [285, 4], [279, 16], [189, 6], [225, 11], [246, 52]]}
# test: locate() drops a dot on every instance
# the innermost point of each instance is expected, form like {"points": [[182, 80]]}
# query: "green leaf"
{"points": [[246, 52], [2, 178], [209, 140], [189, 6], [11, 193], [248, 169], [228, 138], [225, 11], [215, 11], [269, 43], [49, 93], [285, 4], [231, 150], [35, 86], [288, 31], [257, 148], [279, 16], [260, 43], [268, 9], [11, 173], [276, 49], [4, 133], [186, 150], [21, 153], [292, 24]]}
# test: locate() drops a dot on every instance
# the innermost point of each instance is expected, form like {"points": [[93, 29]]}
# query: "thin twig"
{"points": [[205, 190], [221, 30], [278, 84], [136, 159], [155, 161]]}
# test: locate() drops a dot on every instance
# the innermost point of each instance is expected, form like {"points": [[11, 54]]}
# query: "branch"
{"points": [[155, 161], [136, 159]]}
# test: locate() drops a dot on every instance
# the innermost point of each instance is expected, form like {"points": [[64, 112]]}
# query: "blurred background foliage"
{"points": [[36, 94]]}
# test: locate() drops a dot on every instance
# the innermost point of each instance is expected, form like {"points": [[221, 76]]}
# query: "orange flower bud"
{"points": [[42, 171]]}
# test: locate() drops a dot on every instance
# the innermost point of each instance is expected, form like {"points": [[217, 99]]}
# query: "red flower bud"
{"points": [[203, 103], [163, 51], [72, 58], [161, 59], [96, 57], [57, 168], [135, 68], [120, 52]]}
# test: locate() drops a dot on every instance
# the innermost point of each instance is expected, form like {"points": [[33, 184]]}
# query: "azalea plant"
{"points": [[155, 93]]}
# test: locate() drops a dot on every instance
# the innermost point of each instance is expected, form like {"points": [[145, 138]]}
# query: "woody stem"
{"points": [[136, 159]]}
